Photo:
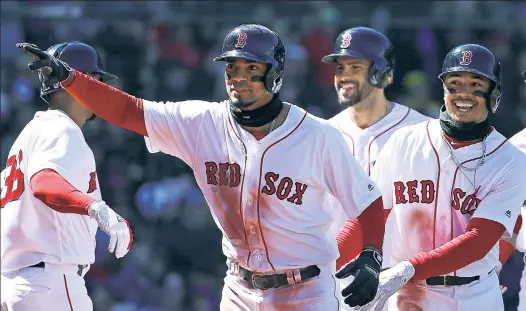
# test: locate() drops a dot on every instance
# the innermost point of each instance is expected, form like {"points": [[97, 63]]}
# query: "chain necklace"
{"points": [[481, 161]]}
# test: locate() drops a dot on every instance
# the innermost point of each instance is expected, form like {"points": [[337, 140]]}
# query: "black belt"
{"points": [[449, 280], [266, 281], [43, 265]]}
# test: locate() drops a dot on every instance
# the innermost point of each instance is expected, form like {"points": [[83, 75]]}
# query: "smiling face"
{"points": [[245, 93], [351, 80], [463, 105]]}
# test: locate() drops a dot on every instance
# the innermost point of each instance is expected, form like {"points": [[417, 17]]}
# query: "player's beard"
{"points": [[241, 104], [358, 96]]}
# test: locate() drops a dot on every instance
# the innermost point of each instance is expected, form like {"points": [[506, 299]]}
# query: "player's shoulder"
{"points": [[187, 108], [414, 130], [52, 123], [413, 116], [519, 140], [320, 128]]}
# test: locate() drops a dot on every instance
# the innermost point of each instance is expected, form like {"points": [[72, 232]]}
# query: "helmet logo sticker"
{"points": [[241, 39], [466, 57], [346, 40]]}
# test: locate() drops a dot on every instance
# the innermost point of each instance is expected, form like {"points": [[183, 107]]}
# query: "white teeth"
{"points": [[464, 105], [348, 86]]}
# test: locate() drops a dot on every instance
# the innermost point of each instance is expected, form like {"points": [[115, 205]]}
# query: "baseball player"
{"points": [[264, 167], [51, 201], [519, 141], [364, 61], [453, 186]]}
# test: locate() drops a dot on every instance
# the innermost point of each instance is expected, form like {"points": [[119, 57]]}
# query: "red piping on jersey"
{"points": [[259, 184], [438, 184], [241, 194], [371, 143], [476, 189], [348, 135], [67, 293], [335, 296]]}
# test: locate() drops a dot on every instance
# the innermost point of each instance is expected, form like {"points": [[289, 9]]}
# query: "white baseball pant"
{"points": [[481, 295], [318, 293], [52, 288]]}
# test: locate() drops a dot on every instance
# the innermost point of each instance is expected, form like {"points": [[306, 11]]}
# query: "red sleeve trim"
{"points": [[57, 193], [480, 237], [107, 102]]}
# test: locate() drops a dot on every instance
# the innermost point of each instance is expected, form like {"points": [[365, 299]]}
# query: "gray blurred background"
{"points": [[163, 50]]}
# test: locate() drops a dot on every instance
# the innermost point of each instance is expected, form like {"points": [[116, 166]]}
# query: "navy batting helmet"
{"points": [[366, 43], [479, 60], [79, 56], [260, 44]]}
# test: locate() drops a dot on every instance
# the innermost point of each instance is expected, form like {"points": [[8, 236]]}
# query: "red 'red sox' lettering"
{"points": [[284, 188], [406, 192], [464, 204], [224, 174]]}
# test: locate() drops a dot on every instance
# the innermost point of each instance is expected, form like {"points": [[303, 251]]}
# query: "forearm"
{"points": [[58, 194], [364, 230], [106, 102], [479, 239]]}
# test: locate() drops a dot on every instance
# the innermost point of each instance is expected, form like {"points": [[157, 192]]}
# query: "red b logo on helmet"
{"points": [[346, 41], [466, 57], [241, 39]]}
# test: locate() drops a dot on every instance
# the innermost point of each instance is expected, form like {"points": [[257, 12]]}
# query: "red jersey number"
{"points": [[14, 182]]}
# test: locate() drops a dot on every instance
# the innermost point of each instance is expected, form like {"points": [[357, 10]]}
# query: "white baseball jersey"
{"points": [[432, 200], [519, 141], [265, 196], [31, 231], [366, 143]]}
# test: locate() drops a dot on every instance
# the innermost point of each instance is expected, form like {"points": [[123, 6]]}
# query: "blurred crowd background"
{"points": [[163, 50]]}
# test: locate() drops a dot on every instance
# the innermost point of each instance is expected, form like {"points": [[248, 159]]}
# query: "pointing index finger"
{"points": [[32, 49]]}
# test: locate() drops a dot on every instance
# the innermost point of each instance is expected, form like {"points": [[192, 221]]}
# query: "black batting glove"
{"points": [[366, 270], [52, 70]]}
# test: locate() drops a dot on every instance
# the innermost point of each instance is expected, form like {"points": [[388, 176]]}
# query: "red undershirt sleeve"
{"points": [[57, 193], [107, 102], [481, 235], [351, 239]]}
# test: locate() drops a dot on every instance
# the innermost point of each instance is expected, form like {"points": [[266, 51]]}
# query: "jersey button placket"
{"points": [[254, 239]]}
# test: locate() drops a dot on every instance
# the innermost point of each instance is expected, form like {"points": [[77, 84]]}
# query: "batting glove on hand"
{"points": [[118, 228], [391, 281], [365, 269], [57, 71]]}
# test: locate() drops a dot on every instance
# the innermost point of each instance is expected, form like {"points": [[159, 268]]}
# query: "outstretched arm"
{"points": [[107, 102]]}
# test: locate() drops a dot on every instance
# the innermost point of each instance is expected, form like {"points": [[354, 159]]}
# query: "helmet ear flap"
{"points": [[496, 92], [273, 80], [380, 78]]}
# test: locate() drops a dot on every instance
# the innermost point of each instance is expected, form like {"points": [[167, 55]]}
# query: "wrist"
{"points": [[95, 207], [408, 269], [69, 80], [372, 252]]}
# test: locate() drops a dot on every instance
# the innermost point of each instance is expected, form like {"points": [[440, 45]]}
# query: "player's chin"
{"points": [[348, 101], [240, 102]]}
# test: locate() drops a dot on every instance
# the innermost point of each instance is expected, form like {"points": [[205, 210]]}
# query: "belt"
{"points": [[267, 281], [449, 280], [43, 265]]}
